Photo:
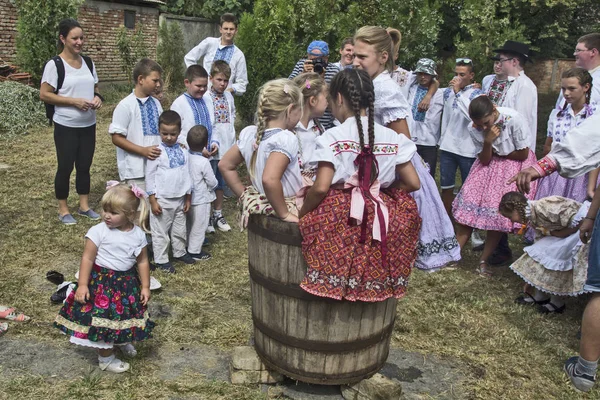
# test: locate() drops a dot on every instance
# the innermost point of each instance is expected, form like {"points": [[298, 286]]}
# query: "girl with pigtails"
{"points": [[270, 150], [374, 48], [358, 222]]}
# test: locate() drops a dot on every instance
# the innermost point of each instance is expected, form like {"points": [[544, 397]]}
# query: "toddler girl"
{"points": [[373, 49], [502, 142], [556, 264], [270, 150], [359, 243], [314, 93], [108, 306]]}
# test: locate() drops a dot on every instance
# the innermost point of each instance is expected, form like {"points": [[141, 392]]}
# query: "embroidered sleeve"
{"points": [[391, 105], [545, 166]]}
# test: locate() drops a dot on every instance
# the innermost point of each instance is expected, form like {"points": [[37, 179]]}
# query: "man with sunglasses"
{"points": [[510, 87]]}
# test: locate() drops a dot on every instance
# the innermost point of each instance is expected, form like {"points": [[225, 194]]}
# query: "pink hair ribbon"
{"points": [[111, 184], [139, 192]]}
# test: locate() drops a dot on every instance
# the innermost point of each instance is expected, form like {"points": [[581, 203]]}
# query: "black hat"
{"points": [[514, 47]]}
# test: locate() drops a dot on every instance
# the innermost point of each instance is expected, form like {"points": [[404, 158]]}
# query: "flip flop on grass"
{"points": [[11, 314]]}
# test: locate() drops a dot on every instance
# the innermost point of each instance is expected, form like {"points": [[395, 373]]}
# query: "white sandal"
{"points": [[115, 365], [127, 349]]}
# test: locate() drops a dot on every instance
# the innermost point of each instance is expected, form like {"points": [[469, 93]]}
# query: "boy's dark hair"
{"points": [[145, 67], [348, 40], [591, 41], [228, 17], [197, 137], [466, 64], [220, 67], [480, 107], [195, 71], [169, 117]]}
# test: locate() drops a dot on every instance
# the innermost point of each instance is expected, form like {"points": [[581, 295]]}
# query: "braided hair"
{"points": [[274, 98], [512, 201], [356, 87], [584, 78]]}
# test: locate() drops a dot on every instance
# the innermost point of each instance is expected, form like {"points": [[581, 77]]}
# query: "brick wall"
{"points": [[8, 31], [100, 22], [546, 73]]}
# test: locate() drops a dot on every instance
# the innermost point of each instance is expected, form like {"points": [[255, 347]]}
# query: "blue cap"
{"points": [[318, 45]]}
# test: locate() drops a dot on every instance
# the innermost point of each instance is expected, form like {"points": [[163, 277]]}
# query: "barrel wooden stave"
{"points": [[287, 328]]}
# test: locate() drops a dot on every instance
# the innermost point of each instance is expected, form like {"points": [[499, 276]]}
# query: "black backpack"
{"points": [[60, 69]]}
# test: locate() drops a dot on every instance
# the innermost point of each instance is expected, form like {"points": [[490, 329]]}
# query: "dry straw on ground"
{"points": [[509, 352]]}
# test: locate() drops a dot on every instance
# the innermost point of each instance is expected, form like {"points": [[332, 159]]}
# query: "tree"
{"points": [[170, 53], [37, 31], [211, 9]]}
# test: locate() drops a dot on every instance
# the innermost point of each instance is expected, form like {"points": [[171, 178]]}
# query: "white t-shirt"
{"points": [[78, 83], [127, 121], [340, 146], [274, 140], [390, 104], [117, 250], [514, 133]]}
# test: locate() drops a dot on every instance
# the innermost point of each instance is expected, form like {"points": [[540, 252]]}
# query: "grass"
{"points": [[506, 351]]}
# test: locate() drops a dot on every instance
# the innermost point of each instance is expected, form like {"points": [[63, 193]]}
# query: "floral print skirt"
{"points": [[113, 314], [340, 267]]}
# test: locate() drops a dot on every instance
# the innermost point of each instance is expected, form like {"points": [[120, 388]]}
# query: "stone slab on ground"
{"points": [[377, 387], [174, 361], [4, 166], [20, 357]]}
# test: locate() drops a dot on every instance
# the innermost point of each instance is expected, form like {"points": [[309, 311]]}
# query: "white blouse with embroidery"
{"points": [[341, 145], [514, 135], [390, 104]]}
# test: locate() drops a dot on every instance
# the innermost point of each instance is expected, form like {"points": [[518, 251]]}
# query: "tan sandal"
{"points": [[483, 271], [11, 314]]}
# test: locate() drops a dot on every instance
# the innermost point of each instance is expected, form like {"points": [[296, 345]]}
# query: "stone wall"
{"points": [[8, 31], [194, 29], [101, 21], [546, 73]]}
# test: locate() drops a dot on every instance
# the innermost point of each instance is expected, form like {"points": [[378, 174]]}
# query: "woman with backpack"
{"points": [[69, 89]]}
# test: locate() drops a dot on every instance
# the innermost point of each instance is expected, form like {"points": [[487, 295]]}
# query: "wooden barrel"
{"points": [[309, 338]]}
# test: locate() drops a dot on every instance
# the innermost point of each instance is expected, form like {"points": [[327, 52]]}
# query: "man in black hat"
{"points": [[510, 87]]}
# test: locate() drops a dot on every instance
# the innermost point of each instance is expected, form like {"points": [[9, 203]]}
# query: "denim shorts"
{"points": [[449, 163], [592, 283], [220, 181]]}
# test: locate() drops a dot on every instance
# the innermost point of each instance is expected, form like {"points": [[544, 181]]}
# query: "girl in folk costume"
{"points": [[270, 150], [359, 242], [108, 306], [556, 264], [373, 47], [314, 93], [502, 138], [576, 88]]}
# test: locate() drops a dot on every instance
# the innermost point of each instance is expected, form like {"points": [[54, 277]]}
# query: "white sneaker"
{"points": [[222, 224], [476, 239], [211, 225], [128, 349], [115, 365]]}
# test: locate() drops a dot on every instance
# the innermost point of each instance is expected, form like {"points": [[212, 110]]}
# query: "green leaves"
{"points": [[170, 53], [131, 47]]}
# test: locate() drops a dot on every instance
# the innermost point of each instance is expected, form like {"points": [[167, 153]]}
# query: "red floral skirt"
{"points": [[340, 267], [113, 314]]}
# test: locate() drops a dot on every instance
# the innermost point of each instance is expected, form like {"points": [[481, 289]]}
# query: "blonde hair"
{"points": [[121, 199], [382, 40], [274, 97], [310, 83]]}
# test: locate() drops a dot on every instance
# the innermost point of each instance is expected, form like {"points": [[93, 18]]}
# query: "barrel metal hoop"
{"points": [[321, 378], [277, 237], [323, 346]]}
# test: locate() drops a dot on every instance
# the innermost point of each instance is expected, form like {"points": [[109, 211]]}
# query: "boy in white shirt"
{"points": [[425, 125], [457, 150], [134, 127], [223, 118], [222, 48], [169, 186], [203, 184]]}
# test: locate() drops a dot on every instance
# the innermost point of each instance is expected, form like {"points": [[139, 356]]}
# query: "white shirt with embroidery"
{"points": [[341, 145], [455, 137], [208, 49], [307, 136], [273, 140], [390, 103], [425, 131], [514, 134], [127, 121]]}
